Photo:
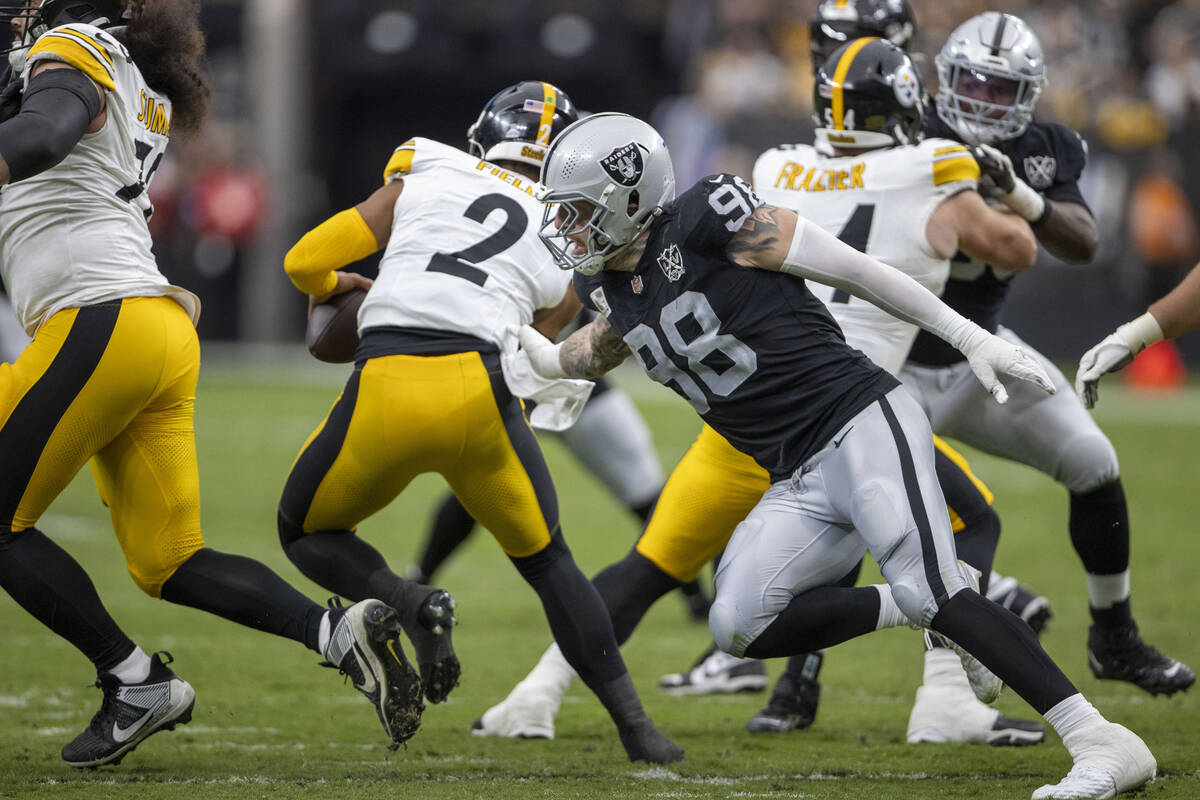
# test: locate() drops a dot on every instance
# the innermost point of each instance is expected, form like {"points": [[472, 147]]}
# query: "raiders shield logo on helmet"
{"points": [[624, 165]]}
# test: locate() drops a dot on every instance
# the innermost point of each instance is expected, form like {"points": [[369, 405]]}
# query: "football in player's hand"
{"points": [[332, 333]]}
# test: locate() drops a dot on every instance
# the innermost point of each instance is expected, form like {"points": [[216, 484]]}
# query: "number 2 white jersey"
{"points": [[464, 254], [76, 234], [878, 202]]}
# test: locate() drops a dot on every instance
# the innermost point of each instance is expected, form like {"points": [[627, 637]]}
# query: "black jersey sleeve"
{"points": [[1060, 156], [713, 210]]}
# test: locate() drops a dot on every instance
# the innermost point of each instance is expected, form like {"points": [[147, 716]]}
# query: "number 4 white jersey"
{"points": [[464, 255], [76, 234], [878, 202]]}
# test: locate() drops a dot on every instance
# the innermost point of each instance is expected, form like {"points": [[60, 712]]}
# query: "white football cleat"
{"points": [[1109, 759], [522, 715], [946, 710], [984, 682], [717, 672]]}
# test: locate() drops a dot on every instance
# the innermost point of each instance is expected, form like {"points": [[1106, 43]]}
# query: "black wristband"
{"points": [[1045, 215]]}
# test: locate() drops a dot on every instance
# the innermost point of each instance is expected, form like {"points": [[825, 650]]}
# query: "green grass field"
{"points": [[270, 723]]}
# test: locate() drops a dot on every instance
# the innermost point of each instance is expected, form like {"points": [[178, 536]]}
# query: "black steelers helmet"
{"points": [[519, 123], [837, 22], [52, 13], [868, 94]]}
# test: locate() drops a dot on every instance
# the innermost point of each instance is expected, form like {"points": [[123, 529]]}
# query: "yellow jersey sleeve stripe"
{"points": [[400, 162], [76, 55], [955, 169], [956, 523], [85, 39], [960, 462], [958, 148], [839, 75]]}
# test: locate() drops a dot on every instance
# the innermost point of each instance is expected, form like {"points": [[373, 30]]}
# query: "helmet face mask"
{"points": [[991, 72], [606, 177], [868, 94], [519, 122]]}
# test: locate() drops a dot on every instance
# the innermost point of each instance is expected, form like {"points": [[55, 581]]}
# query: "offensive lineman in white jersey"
{"points": [[110, 376], [912, 204], [436, 383]]}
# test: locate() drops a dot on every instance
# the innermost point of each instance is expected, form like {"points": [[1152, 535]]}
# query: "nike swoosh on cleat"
{"points": [[1172, 670], [124, 734]]}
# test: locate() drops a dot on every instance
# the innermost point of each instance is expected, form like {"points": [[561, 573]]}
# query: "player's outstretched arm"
{"points": [[1176, 313], [344, 238], [589, 352], [59, 106], [778, 240]]}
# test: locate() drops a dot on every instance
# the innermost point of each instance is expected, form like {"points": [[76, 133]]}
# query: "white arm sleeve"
{"points": [[820, 256]]}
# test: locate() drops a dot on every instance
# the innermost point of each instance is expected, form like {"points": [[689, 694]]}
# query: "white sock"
{"points": [[323, 633], [1069, 714], [1106, 590], [551, 678], [943, 667], [134, 669], [890, 615]]}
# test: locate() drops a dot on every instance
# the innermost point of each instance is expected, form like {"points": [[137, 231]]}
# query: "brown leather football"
{"points": [[332, 333]]}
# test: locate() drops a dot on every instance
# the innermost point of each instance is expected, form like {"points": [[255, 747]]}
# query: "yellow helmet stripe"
{"points": [[549, 103], [839, 75]]}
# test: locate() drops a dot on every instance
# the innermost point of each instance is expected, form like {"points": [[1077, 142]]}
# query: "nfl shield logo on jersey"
{"points": [[671, 261], [624, 165], [1040, 171]]}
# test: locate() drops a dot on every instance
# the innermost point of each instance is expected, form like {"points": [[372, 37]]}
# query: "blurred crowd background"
{"points": [[312, 97]]}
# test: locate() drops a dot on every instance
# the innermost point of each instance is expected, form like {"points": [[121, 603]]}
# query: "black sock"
{"points": [[577, 616], [1099, 526], [816, 619], [643, 510], [51, 585], [1006, 646], [247, 592], [628, 589], [1119, 615], [452, 526]]}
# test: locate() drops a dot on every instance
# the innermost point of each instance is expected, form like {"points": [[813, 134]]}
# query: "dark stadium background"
{"points": [[722, 79]]}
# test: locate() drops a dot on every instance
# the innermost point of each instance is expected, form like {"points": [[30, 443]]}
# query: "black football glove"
{"points": [[996, 175]]}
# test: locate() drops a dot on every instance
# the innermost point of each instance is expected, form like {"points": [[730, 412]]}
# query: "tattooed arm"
{"points": [[589, 352]]}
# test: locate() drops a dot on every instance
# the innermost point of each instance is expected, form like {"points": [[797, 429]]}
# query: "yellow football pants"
{"points": [[402, 415], [114, 384], [715, 486]]}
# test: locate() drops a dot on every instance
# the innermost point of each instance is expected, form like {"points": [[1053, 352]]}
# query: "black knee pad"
{"points": [[289, 532], [537, 567]]}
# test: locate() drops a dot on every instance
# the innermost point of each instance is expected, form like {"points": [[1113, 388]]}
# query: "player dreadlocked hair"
{"points": [[165, 41]]}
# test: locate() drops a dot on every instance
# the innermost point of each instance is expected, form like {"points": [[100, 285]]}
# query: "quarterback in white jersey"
{"points": [[435, 388]]}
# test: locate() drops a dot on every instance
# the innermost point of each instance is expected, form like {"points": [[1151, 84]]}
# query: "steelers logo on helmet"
{"points": [[906, 86]]}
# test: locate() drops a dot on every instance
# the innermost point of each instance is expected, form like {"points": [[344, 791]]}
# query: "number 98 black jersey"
{"points": [[753, 351]]}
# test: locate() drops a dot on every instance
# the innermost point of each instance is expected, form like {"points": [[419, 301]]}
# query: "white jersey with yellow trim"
{"points": [[464, 254], [880, 203], [76, 234]]}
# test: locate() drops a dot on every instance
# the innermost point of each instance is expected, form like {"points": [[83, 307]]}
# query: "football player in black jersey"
{"points": [[991, 72], [702, 290]]}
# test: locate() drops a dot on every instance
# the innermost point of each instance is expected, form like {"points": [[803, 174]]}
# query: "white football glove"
{"points": [[991, 356], [1113, 353], [543, 353]]}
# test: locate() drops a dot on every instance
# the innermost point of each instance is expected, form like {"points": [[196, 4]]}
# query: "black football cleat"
{"points": [[130, 712], [427, 616], [644, 742], [1020, 600], [1119, 654], [364, 645], [792, 707]]}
